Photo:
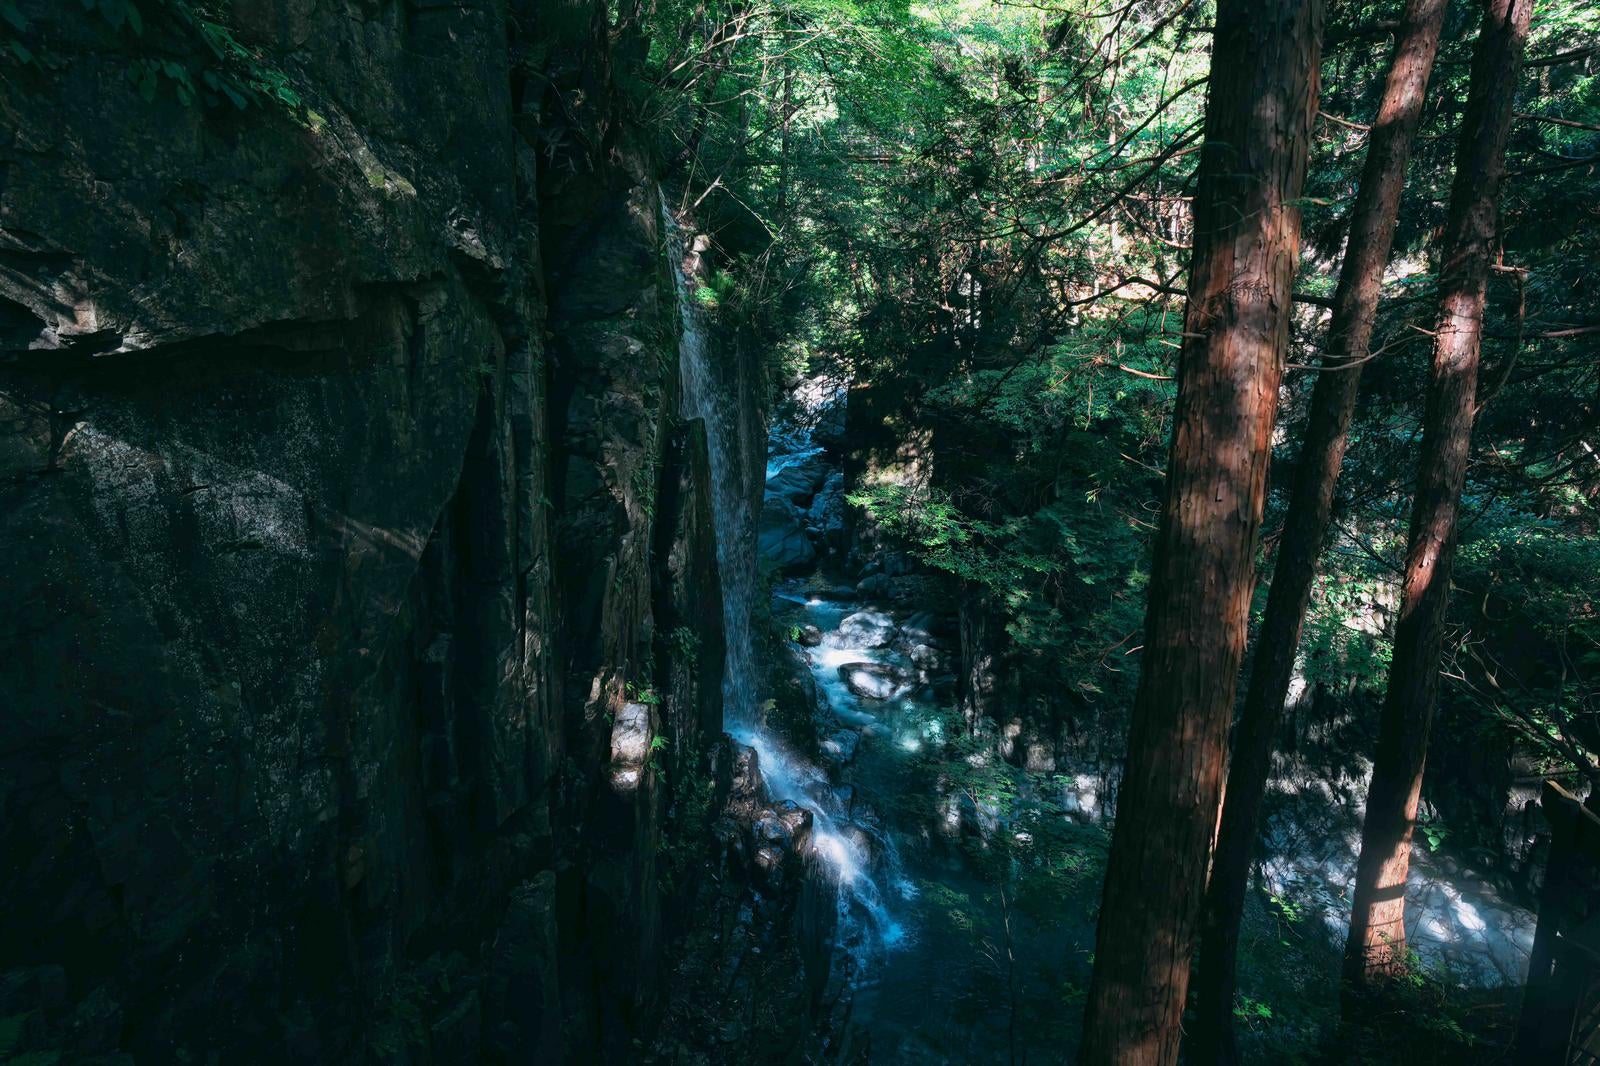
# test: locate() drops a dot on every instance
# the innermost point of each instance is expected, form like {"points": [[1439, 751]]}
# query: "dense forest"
{"points": [[799, 531]]}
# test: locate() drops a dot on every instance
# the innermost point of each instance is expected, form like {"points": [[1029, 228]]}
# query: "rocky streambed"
{"points": [[969, 884]]}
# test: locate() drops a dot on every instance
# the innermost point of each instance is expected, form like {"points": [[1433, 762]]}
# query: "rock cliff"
{"points": [[348, 538]]}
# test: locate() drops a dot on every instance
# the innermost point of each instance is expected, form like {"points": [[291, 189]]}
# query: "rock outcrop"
{"points": [[345, 518], [782, 536]]}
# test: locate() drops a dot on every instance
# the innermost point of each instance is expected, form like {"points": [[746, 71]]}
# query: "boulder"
{"points": [[925, 627], [829, 430], [875, 587], [779, 835], [748, 789], [873, 681], [839, 750], [799, 478], [866, 629], [784, 825], [827, 514], [630, 746], [886, 588], [809, 636], [782, 536]]}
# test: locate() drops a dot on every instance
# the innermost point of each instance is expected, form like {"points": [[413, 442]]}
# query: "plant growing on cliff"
{"points": [[684, 645], [198, 57], [637, 693]]}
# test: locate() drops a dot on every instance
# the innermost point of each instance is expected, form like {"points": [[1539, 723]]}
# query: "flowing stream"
{"points": [[858, 863], [935, 956]]}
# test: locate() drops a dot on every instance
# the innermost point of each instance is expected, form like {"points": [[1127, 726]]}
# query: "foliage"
{"points": [[978, 214], [184, 46]]}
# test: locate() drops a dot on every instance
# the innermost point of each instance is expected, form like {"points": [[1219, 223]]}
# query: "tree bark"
{"points": [[1377, 943], [1333, 402], [783, 140], [1246, 250]]}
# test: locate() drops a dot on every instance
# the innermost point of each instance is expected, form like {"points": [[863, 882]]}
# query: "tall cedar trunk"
{"points": [[1333, 401], [1377, 943], [1246, 249], [783, 142]]}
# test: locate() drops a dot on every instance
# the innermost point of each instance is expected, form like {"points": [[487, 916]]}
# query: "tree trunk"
{"points": [[1246, 250], [1333, 401], [1377, 943], [783, 140]]}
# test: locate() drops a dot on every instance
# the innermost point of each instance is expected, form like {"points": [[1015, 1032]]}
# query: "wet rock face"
{"points": [[829, 431], [839, 749], [800, 478], [286, 509], [828, 519], [782, 536], [687, 605]]}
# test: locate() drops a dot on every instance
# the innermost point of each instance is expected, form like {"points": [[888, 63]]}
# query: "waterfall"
{"points": [[850, 861], [714, 402]]}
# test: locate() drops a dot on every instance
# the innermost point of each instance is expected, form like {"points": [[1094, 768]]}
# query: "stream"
{"points": [[947, 968], [948, 955], [919, 993]]}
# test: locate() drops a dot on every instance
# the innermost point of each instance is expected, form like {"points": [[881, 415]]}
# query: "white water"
{"points": [[705, 398], [857, 861]]}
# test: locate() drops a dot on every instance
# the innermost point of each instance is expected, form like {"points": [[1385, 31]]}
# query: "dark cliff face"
{"points": [[344, 526]]}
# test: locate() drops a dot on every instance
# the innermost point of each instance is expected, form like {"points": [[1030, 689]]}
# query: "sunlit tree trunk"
{"points": [[1246, 249], [1377, 943], [1333, 401], [787, 120]]}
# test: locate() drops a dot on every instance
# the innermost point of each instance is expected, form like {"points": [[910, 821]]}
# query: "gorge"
{"points": [[545, 531]]}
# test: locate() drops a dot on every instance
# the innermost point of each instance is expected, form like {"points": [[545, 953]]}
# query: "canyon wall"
{"points": [[356, 568]]}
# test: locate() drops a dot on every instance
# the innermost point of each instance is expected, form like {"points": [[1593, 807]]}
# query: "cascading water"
{"points": [[857, 863], [703, 397], [923, 939]]}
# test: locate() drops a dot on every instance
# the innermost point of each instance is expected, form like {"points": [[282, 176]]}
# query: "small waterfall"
{"points": [[854, 858], [704, 397]]}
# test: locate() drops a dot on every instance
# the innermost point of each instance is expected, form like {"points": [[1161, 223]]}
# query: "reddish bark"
{"points": [[1246, 249], [1333, 401], [1377, 943]]}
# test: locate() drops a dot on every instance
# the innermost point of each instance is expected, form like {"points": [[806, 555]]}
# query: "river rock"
{"points": [[782, 537], [872, 681], [839, 750], [786, 825], [875, 587], [926, 657], [809, 636], [830, 428], [799, 478], [866, 629], [827, 514], [865, 842], [925, 627], [748, 789]]}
